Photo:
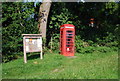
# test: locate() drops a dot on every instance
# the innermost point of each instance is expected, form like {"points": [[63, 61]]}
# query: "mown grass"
{"points": [[54, 66]]}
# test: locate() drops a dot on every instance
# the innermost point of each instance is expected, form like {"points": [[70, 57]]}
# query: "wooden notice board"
{"points": [[32, 43]]}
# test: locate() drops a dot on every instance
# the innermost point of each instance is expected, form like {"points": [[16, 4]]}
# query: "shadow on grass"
{"points": [[34, 56]]}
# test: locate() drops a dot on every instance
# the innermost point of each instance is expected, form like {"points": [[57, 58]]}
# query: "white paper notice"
{"points": [[39, 42], [27, 48], [33, 41], [27, 40]]}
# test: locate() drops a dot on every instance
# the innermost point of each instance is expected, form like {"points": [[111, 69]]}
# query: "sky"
{"points": [[35, 1]]}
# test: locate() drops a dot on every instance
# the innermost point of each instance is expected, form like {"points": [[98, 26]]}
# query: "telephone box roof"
{"points": [[67, 25]]}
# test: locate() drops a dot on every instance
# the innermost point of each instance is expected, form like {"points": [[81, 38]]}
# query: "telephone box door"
{"points": [[67, 36]]}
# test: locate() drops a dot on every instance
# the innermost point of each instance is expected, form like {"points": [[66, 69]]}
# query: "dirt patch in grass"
{"points": [[71, 56]]}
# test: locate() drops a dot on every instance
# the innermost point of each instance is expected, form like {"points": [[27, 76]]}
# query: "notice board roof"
{"points": [[32, 34]]}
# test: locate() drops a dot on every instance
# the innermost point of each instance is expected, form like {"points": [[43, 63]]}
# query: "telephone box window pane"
{"points": [[67, 45], [69, 42], [69, 34], [69, 37], [69, 31]]}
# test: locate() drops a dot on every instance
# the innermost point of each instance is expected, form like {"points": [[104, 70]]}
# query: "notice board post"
{"points": [[32, 43]]}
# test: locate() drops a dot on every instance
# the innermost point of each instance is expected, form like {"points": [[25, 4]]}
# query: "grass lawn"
{"points": [[55, 66]]}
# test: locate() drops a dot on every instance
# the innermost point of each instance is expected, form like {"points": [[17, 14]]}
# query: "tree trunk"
{"points": [[43, 15]]}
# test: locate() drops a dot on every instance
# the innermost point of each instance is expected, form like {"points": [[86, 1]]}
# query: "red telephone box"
{"points": [[67, 38]]}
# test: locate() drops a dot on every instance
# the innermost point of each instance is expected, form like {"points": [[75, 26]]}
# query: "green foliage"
{"points": [[117, 34], [89, 46], [60, 16], [101, 35], [91, 49], [112, 7], [55, 42], [17, 20]]}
